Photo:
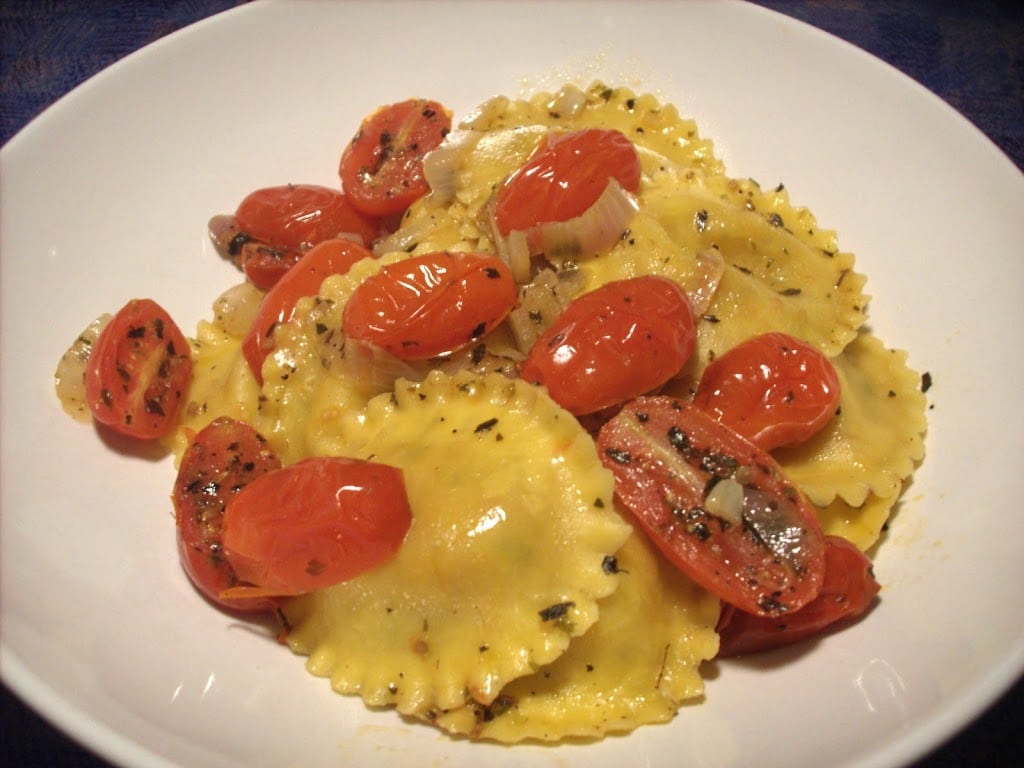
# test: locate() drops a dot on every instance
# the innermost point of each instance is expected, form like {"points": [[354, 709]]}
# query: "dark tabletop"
{"points": [[969, 53]]}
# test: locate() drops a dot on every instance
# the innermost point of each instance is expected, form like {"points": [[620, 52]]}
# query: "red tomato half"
{"points": [[565, 176], [221, 459], [298, 216], [276, 225], [138, 371], [773, 389], [429, 305], [847, 592], [381, 169], [619, 341], [755, 542], [314, 523], [331, 257]]}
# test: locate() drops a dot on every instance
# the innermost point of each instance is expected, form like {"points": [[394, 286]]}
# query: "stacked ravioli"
{"points": [[523, 605]]}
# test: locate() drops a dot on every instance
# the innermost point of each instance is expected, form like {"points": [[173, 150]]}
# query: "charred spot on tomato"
{"points": [[478, 330], [158, 327]]}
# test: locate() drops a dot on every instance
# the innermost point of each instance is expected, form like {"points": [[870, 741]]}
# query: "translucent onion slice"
{"points": [[69, 378], [701, 289], [441, 165]]}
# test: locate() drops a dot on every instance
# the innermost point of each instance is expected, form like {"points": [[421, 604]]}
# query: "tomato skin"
{"points": [[773, 389], [847, 593], [298, 216], [432, 304], [314, 523], [274, 226], [330, 257], [221, 458], [667, 456], [381, 169], [565, 176], [138, 371], [614, 343]]}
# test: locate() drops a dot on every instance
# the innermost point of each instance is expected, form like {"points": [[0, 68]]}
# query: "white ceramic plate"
{"points": [[106, 196]]}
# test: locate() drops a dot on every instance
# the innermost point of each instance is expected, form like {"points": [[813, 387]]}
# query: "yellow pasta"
{"points": [[505, 561]]}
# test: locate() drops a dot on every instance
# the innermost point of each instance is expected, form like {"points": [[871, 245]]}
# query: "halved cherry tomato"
{"points": [[755, 542], [432, 304], [274, 226], [138, 371], [565, 176], [381, 169], [330, 257], [298, 216], [314, 523], [220, 460], [614, 343], [773, 389], [847, 592]]}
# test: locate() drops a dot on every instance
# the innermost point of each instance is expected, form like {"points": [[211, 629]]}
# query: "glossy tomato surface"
{"points": [[619, 341], [847, 593], [314, 523], [565, 176], [330, 257], [138, 371], [717, 506], [773, 389], [432, 304], [219, 461], [381, 169]]}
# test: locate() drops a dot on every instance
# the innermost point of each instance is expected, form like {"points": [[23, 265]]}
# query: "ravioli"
{"points": [[504, 563], [635, 667]]}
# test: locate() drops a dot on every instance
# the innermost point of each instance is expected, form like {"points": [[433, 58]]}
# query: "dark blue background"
{"points": [[969, 53]]}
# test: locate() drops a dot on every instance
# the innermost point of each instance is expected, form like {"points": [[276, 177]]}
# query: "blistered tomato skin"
{"points": [[773, 389], [314, 523], [617, 342], [717, 506], [565, 176], [139, 371], [430, 305]]}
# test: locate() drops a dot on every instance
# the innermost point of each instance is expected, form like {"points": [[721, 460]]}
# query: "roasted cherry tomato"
{"points": [[274, 226], [298, 216], [314, 523], [773, 389], [429, 305], [138, 371], [565, 176], [847, 592], [220, 460], [614, 343], [330, 257], [716, 505], [381, 169]]}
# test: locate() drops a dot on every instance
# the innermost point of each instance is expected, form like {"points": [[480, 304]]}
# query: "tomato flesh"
{"points": [[381, 169], [432, 304], [763, 552], [847, 593], [624, 339], [138, 371], [220, 460], [314, 523], [565, 176], [330, 257], [773, 389]]}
